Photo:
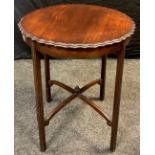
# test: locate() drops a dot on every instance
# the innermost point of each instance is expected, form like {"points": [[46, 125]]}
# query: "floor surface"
{"points": [[77, 129]]}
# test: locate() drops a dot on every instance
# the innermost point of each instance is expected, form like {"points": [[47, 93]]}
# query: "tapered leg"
{"points": [[47, 78], [39, 97], [117, 96], [103, 77]]}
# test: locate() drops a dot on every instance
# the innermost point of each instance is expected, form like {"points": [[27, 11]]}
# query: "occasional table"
{"points": [[76, 31]]}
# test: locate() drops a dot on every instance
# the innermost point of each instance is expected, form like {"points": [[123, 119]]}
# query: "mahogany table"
{"points": [[76, 31]]}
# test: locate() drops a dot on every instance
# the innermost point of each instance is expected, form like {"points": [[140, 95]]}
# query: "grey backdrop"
{"points": [[130, 7]]}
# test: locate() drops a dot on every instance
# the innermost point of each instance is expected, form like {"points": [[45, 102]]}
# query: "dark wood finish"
{"points": [[47, 78], [39, 96], [76, 31], [103, 77], [62, 85], [79, 24], [78, 53], [59, 107], [90, 84], [76, 92], [96, 108], [71, 90], [117, 97]]}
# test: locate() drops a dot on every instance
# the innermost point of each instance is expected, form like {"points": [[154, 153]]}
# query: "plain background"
{"points": [[7, 77]]}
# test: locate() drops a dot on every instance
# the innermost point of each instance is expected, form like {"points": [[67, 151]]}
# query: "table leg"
{"points": [[117, 96], [39, 96], [103, 77], [47, 78]]}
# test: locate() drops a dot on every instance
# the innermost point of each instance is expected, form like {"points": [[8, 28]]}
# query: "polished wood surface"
{"points": [[117, 98], [39, 96], [47, 78], [78, 53], [76, 31], [103, 77], [77, 25]]}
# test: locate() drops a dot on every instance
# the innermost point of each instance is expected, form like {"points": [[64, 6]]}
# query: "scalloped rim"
{"points": [[71, 45]]}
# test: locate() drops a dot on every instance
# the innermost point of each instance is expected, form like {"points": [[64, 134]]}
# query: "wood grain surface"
{"points": [[77, 26]]}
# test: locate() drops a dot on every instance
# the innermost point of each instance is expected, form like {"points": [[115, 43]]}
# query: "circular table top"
{"points": [[77, 26]]}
